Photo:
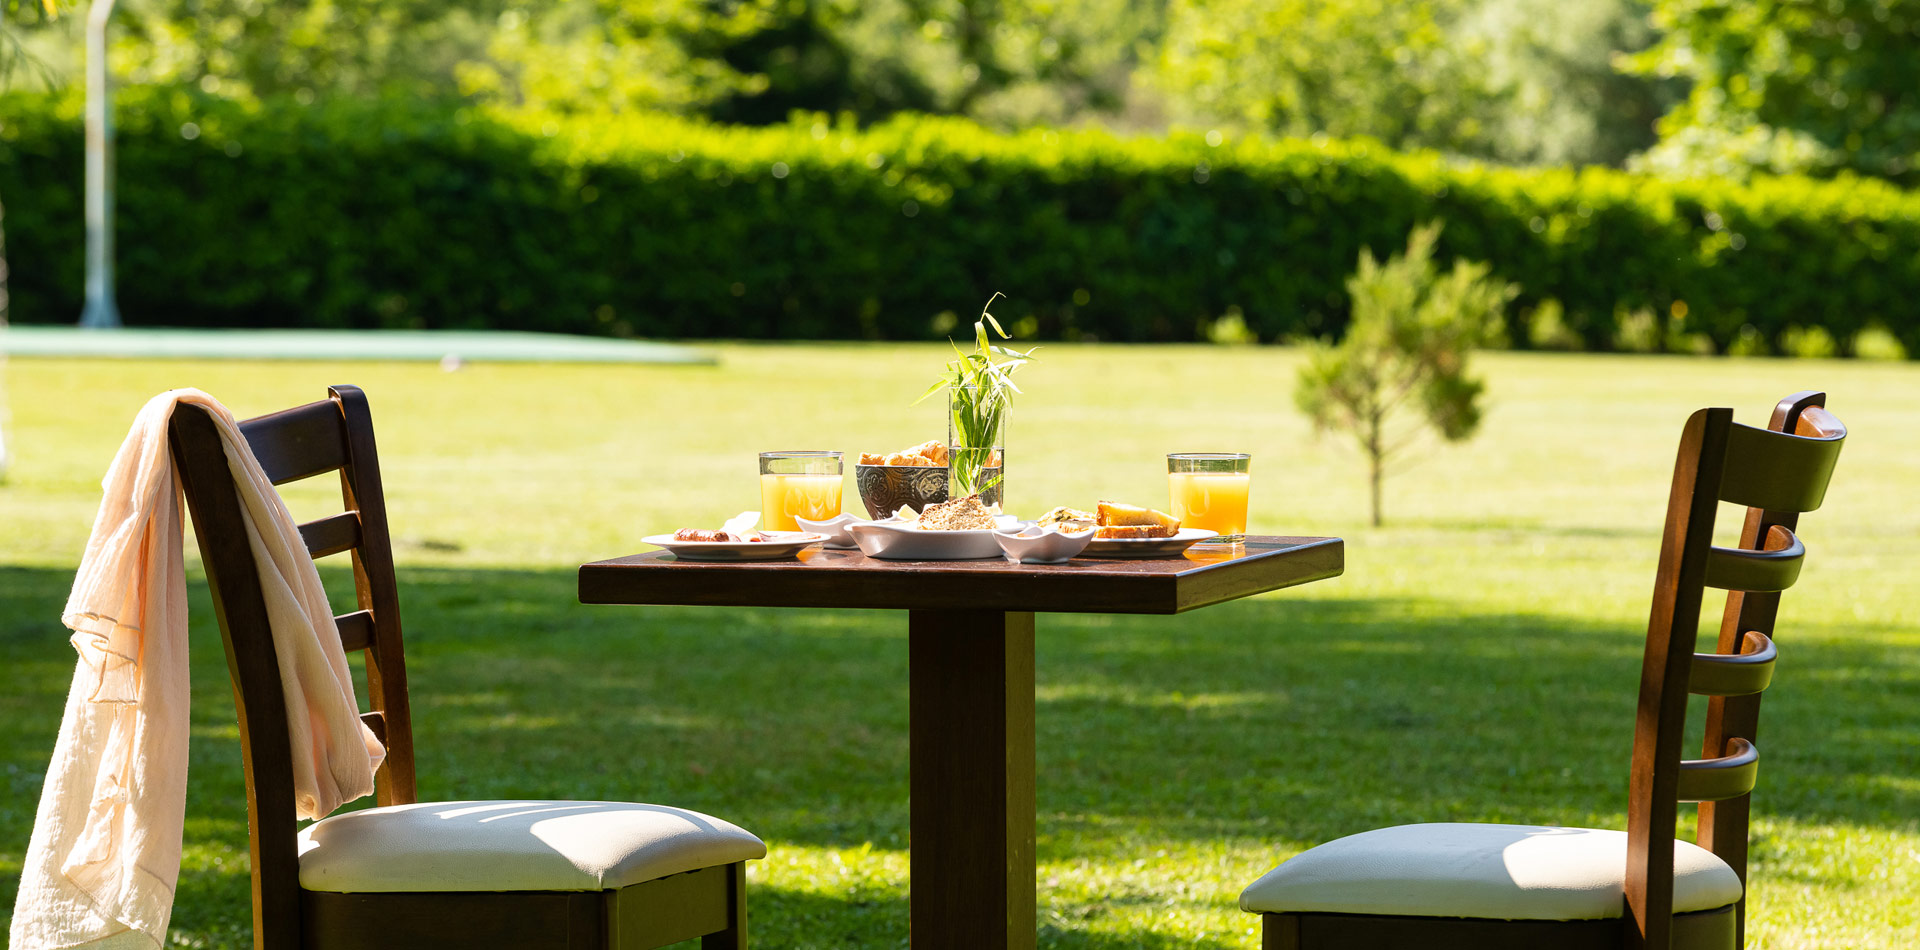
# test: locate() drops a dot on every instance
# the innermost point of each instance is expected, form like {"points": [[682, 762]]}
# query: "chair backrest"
{"points": [[335, 434], [1777, 472]]}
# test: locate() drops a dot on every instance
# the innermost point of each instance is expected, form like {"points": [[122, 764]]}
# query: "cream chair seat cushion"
{"points": [[514, 846], [1502, 872]]}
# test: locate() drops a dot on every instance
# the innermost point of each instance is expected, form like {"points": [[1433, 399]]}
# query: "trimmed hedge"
{"points": [[403, 215]]}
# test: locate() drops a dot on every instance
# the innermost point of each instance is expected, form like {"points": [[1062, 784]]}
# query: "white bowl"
{"points": [[1034, 544], [898, 540], [835, 528]]}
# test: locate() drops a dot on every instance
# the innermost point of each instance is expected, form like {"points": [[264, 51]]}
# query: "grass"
{"points": [[1477, 661]]}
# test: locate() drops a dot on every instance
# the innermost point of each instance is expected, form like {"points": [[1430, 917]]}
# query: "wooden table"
{"points": [[970, 681]]}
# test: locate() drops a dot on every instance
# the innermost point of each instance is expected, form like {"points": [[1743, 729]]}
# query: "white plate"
{"points": [[1034, 544], [1148, 547], [901, 541], [779, 544], [835, 528]]}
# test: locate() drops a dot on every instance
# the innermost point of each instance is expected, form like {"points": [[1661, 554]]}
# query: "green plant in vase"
{"points": [[979, 389]]}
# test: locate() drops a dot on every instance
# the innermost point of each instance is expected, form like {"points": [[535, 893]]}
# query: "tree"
{"points": [[1402, 367], [1391, 69], [1566, 101], [1814, 86]]}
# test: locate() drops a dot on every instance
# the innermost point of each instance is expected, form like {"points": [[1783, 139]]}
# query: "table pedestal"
{"points": [[970, 676]]}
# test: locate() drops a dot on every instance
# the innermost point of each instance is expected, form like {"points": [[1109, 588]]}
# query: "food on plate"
{"points": [[701, 534], [737, 528], [1116, 520], [1068, 520], [929, 454], [960, 514]]}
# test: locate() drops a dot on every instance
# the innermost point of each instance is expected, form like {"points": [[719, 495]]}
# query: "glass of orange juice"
{"points": [[798, 484], [1210, 492]]}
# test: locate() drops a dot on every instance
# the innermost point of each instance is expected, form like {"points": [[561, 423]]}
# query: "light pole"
{"points": [[3, 314], [101, 311]]}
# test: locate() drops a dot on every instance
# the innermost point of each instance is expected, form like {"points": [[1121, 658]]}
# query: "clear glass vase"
{"points": [[976, 444]]}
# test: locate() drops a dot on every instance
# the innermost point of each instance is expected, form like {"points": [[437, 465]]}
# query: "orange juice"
{"points": [[815, 497], [1214, 501]]}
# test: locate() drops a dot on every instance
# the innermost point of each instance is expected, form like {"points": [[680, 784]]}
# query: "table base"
{"points": [[971, 851]]}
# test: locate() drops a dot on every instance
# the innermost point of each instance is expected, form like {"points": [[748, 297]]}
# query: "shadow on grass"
{"points": [[1270, 723]]}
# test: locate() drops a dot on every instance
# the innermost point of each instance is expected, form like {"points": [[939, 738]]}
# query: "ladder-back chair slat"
{"points": [[377, 722], [1778, 470], [1771, 569], [298, 443], [1735, 674], [356, 630], [331, 535], [1718, 779]]}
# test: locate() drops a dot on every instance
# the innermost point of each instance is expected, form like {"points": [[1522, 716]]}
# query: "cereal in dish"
{"points": [[959, 514]]}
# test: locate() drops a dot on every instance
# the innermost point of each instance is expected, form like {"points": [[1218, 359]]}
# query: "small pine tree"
{"points": [[1402, 367]]}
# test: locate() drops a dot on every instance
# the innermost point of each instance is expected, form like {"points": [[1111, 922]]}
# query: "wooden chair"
{"points": [[1486, 886], [521, 874]]}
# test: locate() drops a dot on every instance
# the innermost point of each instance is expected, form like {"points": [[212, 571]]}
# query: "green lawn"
{"points": [[1477, 662]]}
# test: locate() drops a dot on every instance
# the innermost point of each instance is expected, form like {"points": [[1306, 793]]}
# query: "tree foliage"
{"points": [[403, 214], [1562, 97], [1512, 80], [1402, 369], [1790, 86], [1389, 69]]}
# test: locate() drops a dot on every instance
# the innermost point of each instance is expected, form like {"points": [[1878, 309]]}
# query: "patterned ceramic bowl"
{"points": [[886, 488]]}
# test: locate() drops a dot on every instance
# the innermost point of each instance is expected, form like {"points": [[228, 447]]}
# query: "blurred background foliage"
{"points": [[1789, 86], [1722, 87], [396, 213], [882, 110], [1508, 80]]}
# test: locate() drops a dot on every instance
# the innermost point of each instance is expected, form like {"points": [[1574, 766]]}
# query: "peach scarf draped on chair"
{"points": [[105, 853]]}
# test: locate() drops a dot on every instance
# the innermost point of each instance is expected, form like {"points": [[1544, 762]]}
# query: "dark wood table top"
{"points": [[1205, 574]]}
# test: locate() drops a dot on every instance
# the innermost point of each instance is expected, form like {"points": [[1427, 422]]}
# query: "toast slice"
{"points": [[1114, 513], [1130, 532]]}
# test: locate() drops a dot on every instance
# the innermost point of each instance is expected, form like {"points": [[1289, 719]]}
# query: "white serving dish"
{"points": [[779, 544], [898, 540], [1148, 547], [1034, 544], [835, 528]]}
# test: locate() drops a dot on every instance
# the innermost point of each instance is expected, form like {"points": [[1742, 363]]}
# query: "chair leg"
{"points": [[735, 936], [1279, 932]]}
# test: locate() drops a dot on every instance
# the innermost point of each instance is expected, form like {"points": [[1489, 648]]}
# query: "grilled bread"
{"points": [[1134, 531], [1114, 513], [928, 454]]}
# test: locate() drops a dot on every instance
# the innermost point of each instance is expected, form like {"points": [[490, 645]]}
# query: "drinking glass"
{"points": [[1210, 492], [798, 484]]}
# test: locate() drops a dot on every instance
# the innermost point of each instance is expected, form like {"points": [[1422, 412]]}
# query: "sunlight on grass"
{"points": [[1477, 661]]}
